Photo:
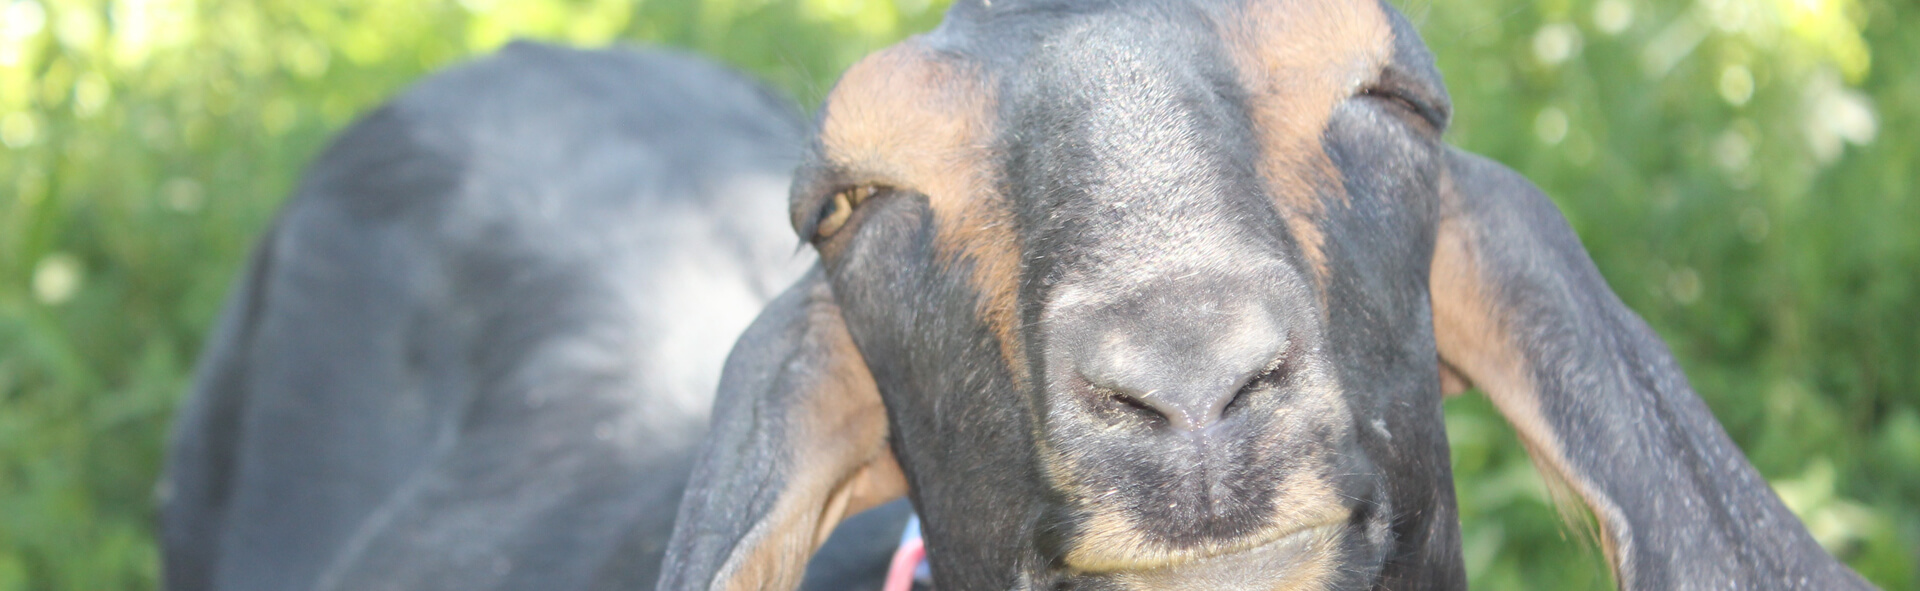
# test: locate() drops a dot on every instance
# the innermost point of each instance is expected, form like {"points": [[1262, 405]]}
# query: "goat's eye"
{"points": [[1402, 107], [1391, 98], [839, 208], [834, 215]]}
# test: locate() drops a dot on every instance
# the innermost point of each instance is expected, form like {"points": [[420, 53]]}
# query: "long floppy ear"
{"points": [[799, 441], [1520, 311]]}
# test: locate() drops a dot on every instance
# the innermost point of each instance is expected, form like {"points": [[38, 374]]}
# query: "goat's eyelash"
{"points": [[1412, 109]]}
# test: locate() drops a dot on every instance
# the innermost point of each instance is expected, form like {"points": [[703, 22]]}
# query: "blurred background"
{"points": [[1741, 170]]}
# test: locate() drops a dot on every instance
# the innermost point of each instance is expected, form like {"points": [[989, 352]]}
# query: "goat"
{"points": [[1166, 294], [477, 348]]}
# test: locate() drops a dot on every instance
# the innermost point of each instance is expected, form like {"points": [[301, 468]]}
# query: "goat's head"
{"points": [[1087, 257], [1163, 294]]}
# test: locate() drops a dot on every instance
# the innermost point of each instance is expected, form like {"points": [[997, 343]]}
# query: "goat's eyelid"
{"points": [[1428, 115], [1417, 98]]}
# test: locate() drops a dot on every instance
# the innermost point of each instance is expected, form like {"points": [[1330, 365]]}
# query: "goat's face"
{"points": [[1102, 266], [1163, 294]]}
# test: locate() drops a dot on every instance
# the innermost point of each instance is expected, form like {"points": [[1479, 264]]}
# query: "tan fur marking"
{"points": [[914, 118], [1468, 329], [842, 465], [1298, 60], [1304, 561]]}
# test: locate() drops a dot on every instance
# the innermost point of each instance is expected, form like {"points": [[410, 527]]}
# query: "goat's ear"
{"points": [[1522, 313], [799, 441]]}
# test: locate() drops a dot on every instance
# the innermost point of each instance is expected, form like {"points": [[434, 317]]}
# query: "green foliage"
{"points": [[1739, 173], [1735, 167]]}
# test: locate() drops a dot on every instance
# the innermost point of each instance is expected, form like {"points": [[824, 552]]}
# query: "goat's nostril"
{"points": [[1271, 378], [1158, 410], [1138, 407]]}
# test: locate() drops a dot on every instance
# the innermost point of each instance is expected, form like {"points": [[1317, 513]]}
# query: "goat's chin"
{"points": [[1304, 559]]}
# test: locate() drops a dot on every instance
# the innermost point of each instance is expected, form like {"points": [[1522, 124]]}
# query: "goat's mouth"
{"points": [[1305, 559], [1298, 555]]}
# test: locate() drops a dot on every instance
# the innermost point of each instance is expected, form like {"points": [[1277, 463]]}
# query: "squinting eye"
{"points": [[1402, 107], [839, 208]]}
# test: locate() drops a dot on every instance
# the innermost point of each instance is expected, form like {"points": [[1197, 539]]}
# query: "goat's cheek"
{"points": [[884, 251], [878, 271]]}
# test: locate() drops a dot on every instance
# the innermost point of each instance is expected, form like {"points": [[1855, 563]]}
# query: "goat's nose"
{"points": [[1183, 366]]}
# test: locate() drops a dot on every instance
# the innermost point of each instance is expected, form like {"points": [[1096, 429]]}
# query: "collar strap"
{"points": [[910, 561]]}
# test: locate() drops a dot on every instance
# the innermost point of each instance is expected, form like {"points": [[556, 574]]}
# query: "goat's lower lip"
{"points": [[1302, 556], [1297, 541]]}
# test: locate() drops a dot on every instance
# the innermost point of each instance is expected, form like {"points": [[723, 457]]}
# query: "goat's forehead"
{"points": [[1142, 78], [1204, 98]]}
